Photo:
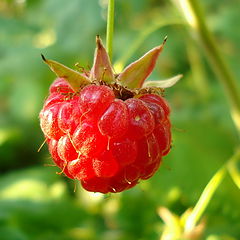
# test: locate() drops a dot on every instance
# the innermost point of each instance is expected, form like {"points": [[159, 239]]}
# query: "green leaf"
{"points": [[74, 78]]}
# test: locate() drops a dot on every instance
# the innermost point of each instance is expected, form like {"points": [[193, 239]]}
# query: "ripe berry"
{"points": [[102, 133]]}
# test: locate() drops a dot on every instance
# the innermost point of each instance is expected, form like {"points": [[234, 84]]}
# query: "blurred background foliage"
{"points": [[36, 203]]}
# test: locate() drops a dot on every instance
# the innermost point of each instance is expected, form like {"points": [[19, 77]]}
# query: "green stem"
{"points": [[233, 169], [204, 199], [193, 14], [208, 192], [110, 28], [198, 71]]}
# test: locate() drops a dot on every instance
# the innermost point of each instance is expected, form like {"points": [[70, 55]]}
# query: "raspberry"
{"points": [[104, 134]]}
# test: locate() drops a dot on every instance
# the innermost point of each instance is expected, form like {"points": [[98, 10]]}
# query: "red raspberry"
{"points": [[106, 136], [108, 144]]}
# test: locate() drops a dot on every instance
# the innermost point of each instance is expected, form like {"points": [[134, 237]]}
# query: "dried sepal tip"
{"points": [[102, 68]]}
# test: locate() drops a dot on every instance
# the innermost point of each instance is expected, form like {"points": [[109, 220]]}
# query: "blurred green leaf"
{"points": [[35, 203]]}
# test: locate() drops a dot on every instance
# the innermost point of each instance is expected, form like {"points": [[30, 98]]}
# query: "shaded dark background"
{"points": [[36, 203]]}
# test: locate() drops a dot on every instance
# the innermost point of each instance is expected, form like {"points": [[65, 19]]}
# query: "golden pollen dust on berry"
{"points": [[137, 118]]}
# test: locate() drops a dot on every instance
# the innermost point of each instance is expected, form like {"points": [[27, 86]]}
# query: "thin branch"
{"points": [[110, 28]]}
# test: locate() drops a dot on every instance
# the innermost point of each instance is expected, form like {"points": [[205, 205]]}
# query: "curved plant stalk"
{"points": [[120, 64], [204, 199], [198, 72], [233, 169], [209, 190], [193, 13], [189, 225], [110, 28]]}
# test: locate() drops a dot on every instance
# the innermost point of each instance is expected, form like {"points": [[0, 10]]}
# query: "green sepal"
{"points": [[102, 68], [75, 79], [167, 83], [134, 75]]}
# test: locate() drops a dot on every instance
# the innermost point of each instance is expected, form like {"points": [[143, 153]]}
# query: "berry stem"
{"points": [[110, 28], [193, 13]]}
